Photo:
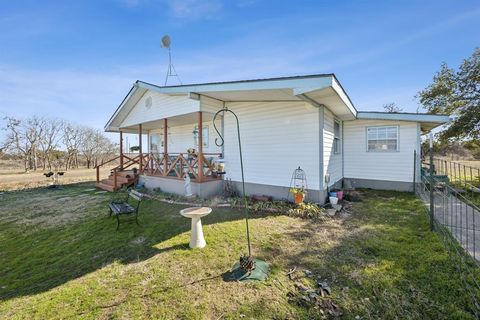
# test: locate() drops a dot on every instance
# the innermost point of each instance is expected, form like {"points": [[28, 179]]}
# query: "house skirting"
{"points": [[379, 184], [213, 188], [206, 189], [276, 192]]}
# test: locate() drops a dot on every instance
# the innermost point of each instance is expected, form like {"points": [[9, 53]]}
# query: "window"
{"points": [[204, 136], [382, 138], [336, 137], [156, 142]]}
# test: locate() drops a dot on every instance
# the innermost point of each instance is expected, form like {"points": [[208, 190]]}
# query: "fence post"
{"points": [[431, 184], [414, 170]]}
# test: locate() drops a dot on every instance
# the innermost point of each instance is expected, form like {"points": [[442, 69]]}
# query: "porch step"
{"points": [[120, 179], [123, 178], [126, 174], [104, 186]]}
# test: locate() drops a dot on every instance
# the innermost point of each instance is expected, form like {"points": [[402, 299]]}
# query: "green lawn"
{"points": [[60, 257]]}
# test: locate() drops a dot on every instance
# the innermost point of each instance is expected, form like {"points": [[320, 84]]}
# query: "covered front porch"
{"points": [[178, 148]]}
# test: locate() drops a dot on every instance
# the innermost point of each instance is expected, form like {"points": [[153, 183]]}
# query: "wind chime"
{"points": [[247, 268]]}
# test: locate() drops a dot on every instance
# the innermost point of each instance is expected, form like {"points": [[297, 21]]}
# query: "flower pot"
{"points": [[333, 200], [340, 195], [299, 197]]}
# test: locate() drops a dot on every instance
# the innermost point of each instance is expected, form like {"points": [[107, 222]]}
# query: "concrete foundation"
{"points": [[276, 192], [379, 184], [214, 188], [206, 189]]}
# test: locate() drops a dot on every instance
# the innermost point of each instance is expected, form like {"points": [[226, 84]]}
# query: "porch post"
{"points": [[140, 146], [165, 146], [200, 147], [121, 150]]}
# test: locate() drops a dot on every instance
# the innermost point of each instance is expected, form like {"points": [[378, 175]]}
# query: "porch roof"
{"points": [[318, 89]]}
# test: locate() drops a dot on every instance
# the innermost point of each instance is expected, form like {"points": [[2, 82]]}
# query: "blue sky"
{"points": [[77, 59]]}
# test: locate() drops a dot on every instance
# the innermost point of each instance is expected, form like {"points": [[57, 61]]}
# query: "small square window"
{"points": [[382, 139]]}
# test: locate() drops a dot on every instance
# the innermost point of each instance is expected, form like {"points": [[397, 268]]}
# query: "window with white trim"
{"points": [[382, 139], [336, 137]]}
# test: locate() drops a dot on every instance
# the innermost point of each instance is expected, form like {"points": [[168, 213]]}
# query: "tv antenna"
{"points": [[171, 72]]}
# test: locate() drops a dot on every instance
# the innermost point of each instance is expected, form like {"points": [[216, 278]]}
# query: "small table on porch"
{"points": [[196, 213]]}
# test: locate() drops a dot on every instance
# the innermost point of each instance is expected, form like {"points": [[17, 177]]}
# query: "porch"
{"points": [[157, 161]]}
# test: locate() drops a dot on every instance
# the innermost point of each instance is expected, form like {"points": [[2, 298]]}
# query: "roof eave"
{"points": [[414, 117]]}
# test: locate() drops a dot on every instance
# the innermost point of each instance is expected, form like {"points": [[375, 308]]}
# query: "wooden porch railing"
{"points": [[172, 165], [175, 165]]}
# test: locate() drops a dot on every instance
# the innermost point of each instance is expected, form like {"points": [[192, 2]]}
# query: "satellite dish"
{"points": [[166, 41], [171, 72]]}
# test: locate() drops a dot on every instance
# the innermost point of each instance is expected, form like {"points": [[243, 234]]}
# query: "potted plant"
{"points": [[192, 153], [298, 194], [134, 148]]}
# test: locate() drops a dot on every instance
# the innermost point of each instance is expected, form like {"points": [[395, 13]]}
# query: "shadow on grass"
{"points": [[32, 262]]}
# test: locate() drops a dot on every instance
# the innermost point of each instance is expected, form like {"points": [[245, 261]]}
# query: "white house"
{"points": [[307, 121]]}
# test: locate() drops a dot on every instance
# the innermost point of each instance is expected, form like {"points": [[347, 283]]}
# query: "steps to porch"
{"points": [[124, 178]]}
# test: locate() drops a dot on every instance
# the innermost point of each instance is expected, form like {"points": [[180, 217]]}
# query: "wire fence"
{"points": [[466, 179], [456, 218]]}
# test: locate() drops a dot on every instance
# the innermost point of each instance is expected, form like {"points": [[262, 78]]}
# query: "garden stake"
{"points": [[247, 268]]}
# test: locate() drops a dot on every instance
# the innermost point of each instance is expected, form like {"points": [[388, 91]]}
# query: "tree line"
{"points": [[456, 92], [46, 143]]}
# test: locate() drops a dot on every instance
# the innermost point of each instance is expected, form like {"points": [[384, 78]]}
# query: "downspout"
{"points": [[321, 173]]}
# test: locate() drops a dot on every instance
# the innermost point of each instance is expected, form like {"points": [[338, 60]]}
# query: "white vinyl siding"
{"points": [[389, 166], [180, 138], [277, 138], [211, 105], [163, 106], [332, 162]]}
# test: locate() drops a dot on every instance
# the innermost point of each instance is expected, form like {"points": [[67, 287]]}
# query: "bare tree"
{"points": [[392, 108], [22, 139], [55, 142], [49, 140], [72, 139]]}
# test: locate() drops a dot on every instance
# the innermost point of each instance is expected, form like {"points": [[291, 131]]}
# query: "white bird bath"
{"points": [[196, 213]]}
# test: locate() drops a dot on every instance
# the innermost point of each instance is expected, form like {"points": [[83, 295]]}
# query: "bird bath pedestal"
{"points": [[196, 239]]}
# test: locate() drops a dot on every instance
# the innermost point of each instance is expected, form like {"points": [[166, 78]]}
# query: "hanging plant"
{"points": [[298, 194], [192, 153]]}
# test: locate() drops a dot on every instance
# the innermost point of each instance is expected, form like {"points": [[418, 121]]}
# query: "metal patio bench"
{"points": [[118, 208]]}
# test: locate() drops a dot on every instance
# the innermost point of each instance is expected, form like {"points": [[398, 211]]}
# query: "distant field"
{"points": [[471, 163], [15, 178]]}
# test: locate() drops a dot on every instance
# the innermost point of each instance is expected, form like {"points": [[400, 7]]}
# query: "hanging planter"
{"points": [[298, 185], [298, 194], [192, 153]]}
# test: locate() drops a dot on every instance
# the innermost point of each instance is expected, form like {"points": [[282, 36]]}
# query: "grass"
{"points": [[60, 257]]}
